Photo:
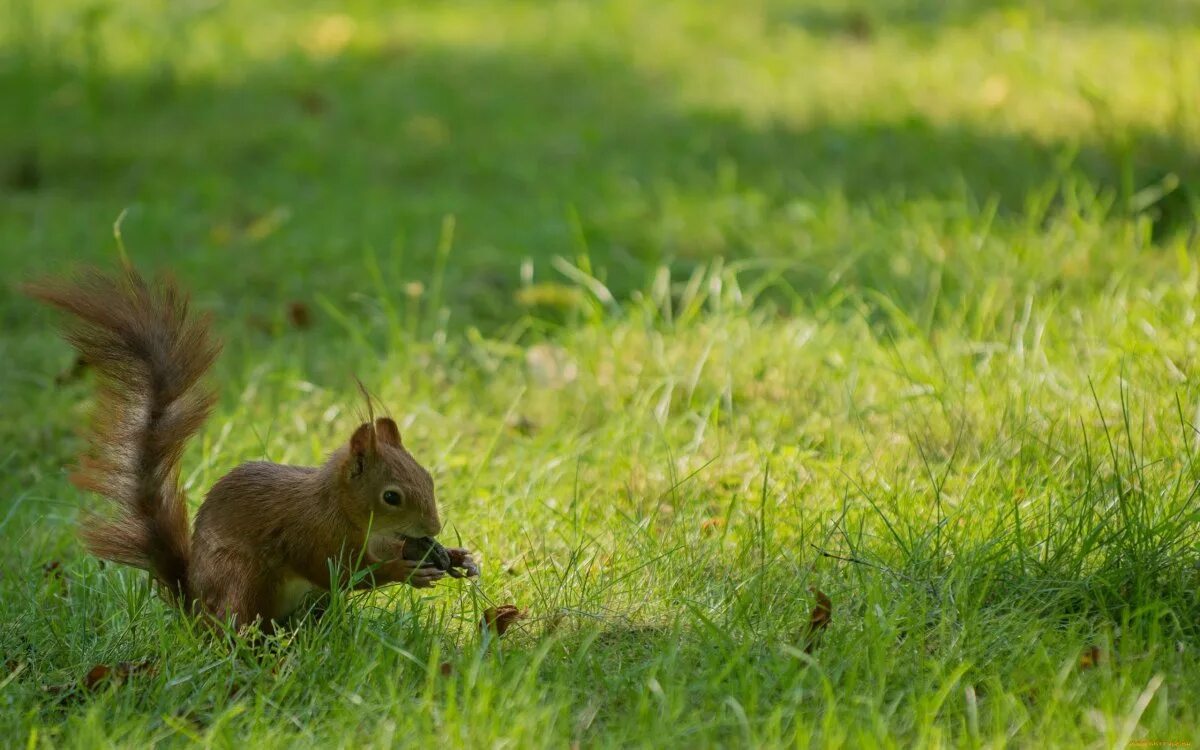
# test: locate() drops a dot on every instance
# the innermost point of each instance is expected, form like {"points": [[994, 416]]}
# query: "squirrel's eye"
{"points": [[391, 497]]}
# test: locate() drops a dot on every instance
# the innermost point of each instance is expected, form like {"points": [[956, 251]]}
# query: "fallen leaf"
{"points": [[102, 673], [298, 315], [312, 103], [95, 676], [712, 525], [499, 619], [1091, 657], [446, 668], [819, 620]]}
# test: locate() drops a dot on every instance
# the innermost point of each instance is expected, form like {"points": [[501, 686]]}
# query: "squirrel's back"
{"points": [[149, 355]]}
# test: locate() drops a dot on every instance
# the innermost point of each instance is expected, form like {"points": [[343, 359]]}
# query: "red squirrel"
{"points": [[267, 533]]}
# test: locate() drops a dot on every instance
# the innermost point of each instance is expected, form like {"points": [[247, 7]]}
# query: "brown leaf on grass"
{"points": [[102, 673], [299, 315], [1091, 657], [312, 103], [711, 525], [95, 676], [819, 620], [52, 569], [446, 668], [499, 619]]}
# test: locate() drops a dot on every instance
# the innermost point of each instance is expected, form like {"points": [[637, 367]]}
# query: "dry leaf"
{"points": [[819, 620], [1091, 657], [712, 525], [298, 315], [499, 619], [312, 103], [102, 673], [446, 668], [95, 676]]}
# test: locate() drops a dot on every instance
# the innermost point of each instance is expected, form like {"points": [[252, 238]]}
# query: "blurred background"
{"points": [[267, 151]]}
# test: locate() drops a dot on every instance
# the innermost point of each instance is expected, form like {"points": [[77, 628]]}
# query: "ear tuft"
{"points": [[362, 444], [388, 432]]}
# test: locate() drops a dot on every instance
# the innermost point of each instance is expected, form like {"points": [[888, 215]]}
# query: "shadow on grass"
{"points": [[301, 165]]}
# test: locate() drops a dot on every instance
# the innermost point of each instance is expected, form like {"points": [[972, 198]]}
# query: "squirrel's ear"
{"points": [[388, 432], [362, 444]]}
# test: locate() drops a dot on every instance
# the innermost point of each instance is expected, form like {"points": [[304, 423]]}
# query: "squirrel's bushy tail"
{"points": [[148, 354]]}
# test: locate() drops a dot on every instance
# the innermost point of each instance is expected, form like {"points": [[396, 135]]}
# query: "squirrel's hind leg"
{"points": [[241, 596]]}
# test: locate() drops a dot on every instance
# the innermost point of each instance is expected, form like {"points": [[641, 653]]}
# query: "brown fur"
{"points": [[264, 527]]}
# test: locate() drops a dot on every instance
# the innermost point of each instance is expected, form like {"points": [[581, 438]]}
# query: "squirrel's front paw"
{"points": [[462, 563], [413, 573], [424, 577]]}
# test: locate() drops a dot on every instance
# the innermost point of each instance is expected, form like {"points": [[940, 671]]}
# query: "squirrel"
{"points": [[266, 534]]}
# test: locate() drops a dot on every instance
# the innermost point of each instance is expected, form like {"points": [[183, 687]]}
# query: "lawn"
{"points": [[693, 310]]}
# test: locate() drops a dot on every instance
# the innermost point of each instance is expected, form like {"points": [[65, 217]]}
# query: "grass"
{"points": [[689, 307]]}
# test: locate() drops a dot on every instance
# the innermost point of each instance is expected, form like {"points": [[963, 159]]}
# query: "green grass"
{"points": [[671, 297]]}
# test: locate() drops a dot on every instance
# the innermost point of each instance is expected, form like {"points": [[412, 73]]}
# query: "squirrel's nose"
{"points": [[434, 528]]}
